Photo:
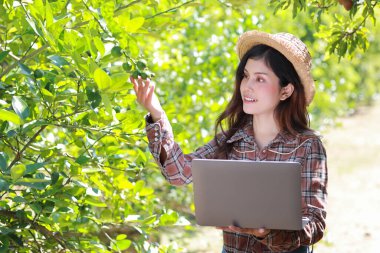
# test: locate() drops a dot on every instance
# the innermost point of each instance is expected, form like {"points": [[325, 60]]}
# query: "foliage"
{"points": [[76, 174]]}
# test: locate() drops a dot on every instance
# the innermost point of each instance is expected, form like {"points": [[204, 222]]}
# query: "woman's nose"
{"points": [[250, 83]]}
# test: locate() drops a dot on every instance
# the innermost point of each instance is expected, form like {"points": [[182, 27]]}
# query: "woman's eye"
{"points": [[260, 80]]}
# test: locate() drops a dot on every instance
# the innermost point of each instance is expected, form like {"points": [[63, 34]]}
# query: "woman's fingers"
{"points": [[145, 84], [143, 89], [260, 232], [225, 229], [135, 86]]}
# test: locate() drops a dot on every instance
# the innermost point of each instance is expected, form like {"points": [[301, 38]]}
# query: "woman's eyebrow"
{"points": [[257, 73]]}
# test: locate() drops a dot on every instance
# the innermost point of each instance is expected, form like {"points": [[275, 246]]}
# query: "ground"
{"points": [[354, 185], [353, 223]]}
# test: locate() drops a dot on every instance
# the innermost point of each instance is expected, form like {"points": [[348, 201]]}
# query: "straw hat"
{"points": [[287, 44]]}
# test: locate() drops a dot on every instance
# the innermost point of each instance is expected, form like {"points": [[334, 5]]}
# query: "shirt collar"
{"points": [[246, 133]]}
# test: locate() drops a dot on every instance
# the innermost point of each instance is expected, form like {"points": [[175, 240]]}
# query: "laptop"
{"points": [[248, 194]]}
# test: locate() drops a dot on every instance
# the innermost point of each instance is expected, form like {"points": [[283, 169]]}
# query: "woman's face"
{"points": [[260, 88]]}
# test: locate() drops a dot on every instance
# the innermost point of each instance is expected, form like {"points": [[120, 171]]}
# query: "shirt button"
{"points": [[156, 134], [156, 139], [264, 151]]}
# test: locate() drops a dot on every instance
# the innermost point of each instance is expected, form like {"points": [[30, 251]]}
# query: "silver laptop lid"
{"points": [[248, 194]]}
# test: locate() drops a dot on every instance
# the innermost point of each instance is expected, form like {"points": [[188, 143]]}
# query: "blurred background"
{"points": [[76, 172]]}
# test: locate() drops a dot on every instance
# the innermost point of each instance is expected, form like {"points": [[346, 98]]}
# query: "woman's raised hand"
{"points": [[146, 97]]}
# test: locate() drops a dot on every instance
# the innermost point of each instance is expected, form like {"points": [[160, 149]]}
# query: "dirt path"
{"points": [[354, 185], [354, 189]]}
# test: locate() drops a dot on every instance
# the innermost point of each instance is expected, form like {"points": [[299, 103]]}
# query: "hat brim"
{"points": [[292, 51]]}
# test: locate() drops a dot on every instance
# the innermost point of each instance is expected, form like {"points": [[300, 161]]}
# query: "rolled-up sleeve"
{"points": [[176, 168], [314, 179]]}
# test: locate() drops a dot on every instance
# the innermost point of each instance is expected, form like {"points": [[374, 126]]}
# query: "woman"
{"points": [[266, 119]]}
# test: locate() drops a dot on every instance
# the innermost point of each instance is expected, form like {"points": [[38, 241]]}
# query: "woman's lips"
{"points": [[249, 100]]}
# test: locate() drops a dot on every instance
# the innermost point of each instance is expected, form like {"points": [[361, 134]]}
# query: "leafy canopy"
{"points": [[75, 171]]}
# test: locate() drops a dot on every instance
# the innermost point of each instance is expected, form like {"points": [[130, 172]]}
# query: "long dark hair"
{"points": [[291, 113]]}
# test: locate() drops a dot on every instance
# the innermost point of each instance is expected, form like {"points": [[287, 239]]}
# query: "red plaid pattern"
{"points": [[305, 148]]}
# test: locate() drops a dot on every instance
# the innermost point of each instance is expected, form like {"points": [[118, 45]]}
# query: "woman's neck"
{"points": [[265, 130]]}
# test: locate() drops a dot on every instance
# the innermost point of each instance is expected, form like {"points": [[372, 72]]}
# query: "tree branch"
{"points": [[23, 59], [34, 225], [80, 24], [97, 20], [169, 10], [126, 6], [324, 7], [10, 53], [19, 153], [105, 131], [350, 33], [35, 240]]}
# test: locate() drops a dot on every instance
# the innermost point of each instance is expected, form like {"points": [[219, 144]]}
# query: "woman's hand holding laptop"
{"points": [[259, 232]]}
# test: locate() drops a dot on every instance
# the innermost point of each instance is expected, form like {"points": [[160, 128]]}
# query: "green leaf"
{"points": [[33, 180], [54, 177], [146, 192], [121, 237], [130, 25], [47, 93], [20, 107], [133, 47], [130, 120], [5, 231], [120, 82], [19, 199], [36, 29], [36, 207], [342, 48], [90, 44], [107, 103], [82, 159], [102, 79], [134, 24], [48, 14], [17, 171], [16, 239], [81, 64], [122, 244], [32, 124], [4, 126], [3, 162], [94, 201], [4, 245], [178, 128], [169, 218], [150, 220], [10, 116], [25, 69], [3, 55], [99, 45], [58, 60], [36, 183], [138, 186], [4, 185], [31, 168], [93, 97]]}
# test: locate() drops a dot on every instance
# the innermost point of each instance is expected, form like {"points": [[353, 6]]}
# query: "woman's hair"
{"points": [[291, 113]]}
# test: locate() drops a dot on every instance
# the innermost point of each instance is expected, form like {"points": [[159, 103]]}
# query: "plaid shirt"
{"points": [[307, 149]]}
